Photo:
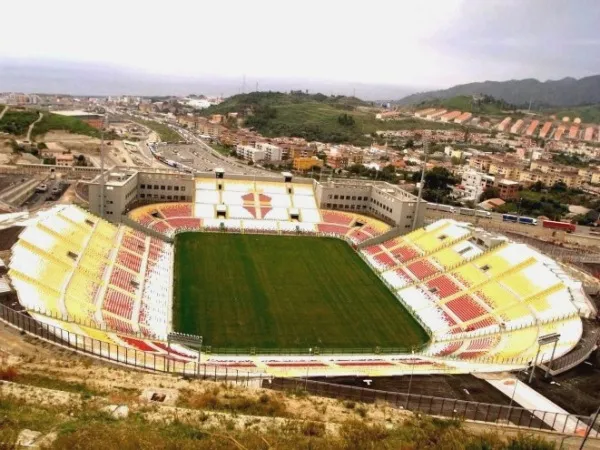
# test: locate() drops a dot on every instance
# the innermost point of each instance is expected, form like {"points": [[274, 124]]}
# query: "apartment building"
{"points": [[474, 183], [307, 163], [480, 163], [250, 153], [509, 189], [505, 169], [271, 152]]}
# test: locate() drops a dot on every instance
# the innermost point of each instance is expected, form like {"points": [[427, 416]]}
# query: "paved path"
{"points": [[33, 125], [3, 111], [545, 410]]}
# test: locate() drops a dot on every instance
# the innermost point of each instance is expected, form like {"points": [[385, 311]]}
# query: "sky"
{"points": [[421, 44]]}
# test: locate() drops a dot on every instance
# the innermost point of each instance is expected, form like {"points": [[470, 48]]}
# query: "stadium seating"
{"points": [[111, 283]]}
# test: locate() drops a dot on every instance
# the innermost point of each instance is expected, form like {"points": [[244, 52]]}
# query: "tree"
{"points": [[538, 186], [42, 146], [439, 178], [490, 192], [409, 144], [559, 186], [346, 120]]}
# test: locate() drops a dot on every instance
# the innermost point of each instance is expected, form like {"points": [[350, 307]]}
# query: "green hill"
{"points": [[64, 123], [588, 114], [476, 104], [558, 93], [17, 122], [315, 117]]}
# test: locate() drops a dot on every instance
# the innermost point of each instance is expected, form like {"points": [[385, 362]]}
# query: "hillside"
{"points": [[588, 114], [64, 123], [315, 117], [17, 122], [79, 403], [481, 105], [565, 92]]}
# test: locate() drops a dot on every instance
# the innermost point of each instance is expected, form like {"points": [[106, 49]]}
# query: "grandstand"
{"points": [[483, 299]]}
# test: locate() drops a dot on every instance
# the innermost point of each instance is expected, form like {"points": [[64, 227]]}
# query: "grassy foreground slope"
{"points": [[484, 105], [284, 292], [84, 426]]}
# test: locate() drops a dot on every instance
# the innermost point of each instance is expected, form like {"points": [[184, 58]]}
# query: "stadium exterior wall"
{"points": [[125, 187]]}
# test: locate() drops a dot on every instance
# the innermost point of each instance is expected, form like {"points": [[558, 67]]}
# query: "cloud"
{"points": [[425, 43]]}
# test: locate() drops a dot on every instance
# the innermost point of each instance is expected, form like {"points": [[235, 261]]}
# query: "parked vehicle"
{"points": [[481, 213], [41, 188], [440, 207], [528, 220], [555, 225], [519, 219]]}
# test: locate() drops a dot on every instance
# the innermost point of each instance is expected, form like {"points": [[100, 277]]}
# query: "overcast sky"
{"points": [[428, 43]]}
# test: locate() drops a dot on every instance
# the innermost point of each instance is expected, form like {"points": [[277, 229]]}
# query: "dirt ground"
{"points": [[461, 387], [578, 390]]}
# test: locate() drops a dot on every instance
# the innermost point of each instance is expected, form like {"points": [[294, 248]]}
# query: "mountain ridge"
{"points": [[564, 92]]}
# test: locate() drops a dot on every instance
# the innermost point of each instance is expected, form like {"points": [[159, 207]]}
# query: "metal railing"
{"points": [[445, 407], [131, 357]]}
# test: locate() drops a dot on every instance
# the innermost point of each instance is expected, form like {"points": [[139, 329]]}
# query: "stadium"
{"points": [[286, 278]]}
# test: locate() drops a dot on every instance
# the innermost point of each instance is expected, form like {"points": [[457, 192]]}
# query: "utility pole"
{"points": [[102, 182], [420, 195], [589, 429]]}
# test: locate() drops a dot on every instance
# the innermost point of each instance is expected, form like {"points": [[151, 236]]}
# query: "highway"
{"points": [[202, 158]]}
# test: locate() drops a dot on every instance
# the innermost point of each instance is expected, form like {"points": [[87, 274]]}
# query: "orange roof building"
{"points": [[545, 130], [517, 126], [504, 124], [531, 128], [463, 118], [559, 132], [573, 132], [450, 116], [588, 134]]}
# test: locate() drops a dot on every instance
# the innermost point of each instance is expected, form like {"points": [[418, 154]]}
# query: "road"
{"points": [[203, 158], [33, 125], [496, 218], [3, 111], [41, 199]]}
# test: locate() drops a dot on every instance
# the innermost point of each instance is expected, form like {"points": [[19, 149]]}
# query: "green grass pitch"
{"points": [[271, 292]]}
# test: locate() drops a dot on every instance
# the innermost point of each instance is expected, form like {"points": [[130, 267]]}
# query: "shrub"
{"points": [[313, 429], [8, 373]]}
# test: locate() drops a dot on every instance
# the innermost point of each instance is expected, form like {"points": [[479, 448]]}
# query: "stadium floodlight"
{"points": [[551, 338]]}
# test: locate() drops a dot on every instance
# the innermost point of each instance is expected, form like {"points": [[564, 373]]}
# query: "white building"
{"points": [[250, 153], [272, 152], [474, 183]]}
